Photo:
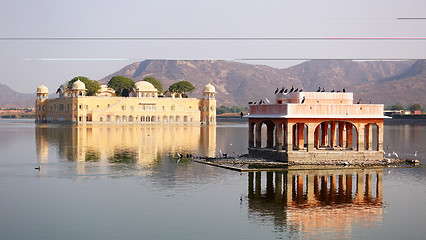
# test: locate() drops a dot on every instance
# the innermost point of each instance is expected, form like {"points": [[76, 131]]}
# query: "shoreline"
{"points": [[247, 164]]}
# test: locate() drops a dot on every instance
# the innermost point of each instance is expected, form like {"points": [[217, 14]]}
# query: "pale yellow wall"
{"points": [[98, 108]]}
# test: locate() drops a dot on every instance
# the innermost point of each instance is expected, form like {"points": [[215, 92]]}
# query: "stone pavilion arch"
{"points": [[371, 137], [255, 134], [336, 134]]}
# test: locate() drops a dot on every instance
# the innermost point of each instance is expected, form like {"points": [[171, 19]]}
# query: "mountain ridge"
{"points": [[236, 83]]}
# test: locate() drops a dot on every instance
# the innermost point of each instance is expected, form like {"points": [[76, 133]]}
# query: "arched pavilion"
{"points": [[316, 126]]}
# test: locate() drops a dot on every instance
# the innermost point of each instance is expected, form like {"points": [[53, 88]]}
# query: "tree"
{"points": [[120, 83], [157, 84], [92, 86], [182, 87], [395, 107], [415, 107]]}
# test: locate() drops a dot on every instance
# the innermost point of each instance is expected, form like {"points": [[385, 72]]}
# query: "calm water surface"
{"points": [[124, 182]]}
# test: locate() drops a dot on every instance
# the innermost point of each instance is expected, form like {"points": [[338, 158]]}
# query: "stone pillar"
{"points": [[333, 134], [300, 129], [349, 135], [294, 132], [380, 137], [311, 137], [324, 133], [278, 136], [251, 135], [270, 136], [259, 135], [368, 137], [316, 137], [361, 137], [341, 129], [289, 137]]}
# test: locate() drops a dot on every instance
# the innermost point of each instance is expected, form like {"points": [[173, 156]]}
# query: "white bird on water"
{"points": [[394, 154], [415, 154]]}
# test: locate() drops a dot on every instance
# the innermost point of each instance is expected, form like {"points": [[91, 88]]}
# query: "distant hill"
{"points": [[237, 83], [12, 99]]}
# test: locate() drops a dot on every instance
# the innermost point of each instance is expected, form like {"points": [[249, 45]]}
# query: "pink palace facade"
{"points": [[316, 126]]}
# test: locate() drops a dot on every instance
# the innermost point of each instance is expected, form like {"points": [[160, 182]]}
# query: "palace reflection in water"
{"points": [[136, 144], [317, 201]]}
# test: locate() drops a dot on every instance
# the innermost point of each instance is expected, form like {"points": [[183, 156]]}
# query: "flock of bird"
{"points": [[284, 90]]}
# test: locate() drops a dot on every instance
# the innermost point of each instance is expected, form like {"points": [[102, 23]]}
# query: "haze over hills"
{"points": [[12, 99], [238, 83], [386, 82]]}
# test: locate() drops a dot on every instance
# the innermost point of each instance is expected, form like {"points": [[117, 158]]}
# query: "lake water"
{"points": [[124, 182]]}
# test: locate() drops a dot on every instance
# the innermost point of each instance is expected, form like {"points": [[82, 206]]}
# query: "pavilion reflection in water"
{"points": [[126, 143], [310, 202]]}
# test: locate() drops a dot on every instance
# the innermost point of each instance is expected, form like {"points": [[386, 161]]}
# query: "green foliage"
{"points": [[234, 109], [157, 84], [92, 86], [120, 83], [395, 107], [415, 107], [182, 87]]}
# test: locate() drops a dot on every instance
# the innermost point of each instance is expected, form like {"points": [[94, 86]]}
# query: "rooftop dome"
{"points": [[42, 89], [78, 85], [144, 86], [209, 88]]}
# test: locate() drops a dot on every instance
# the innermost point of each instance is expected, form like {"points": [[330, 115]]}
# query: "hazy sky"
{"points": [[265, 30]]}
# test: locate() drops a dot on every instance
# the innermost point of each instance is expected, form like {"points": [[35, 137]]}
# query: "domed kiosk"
{"points": [[144, 89], [42, 92], [78, 88]]}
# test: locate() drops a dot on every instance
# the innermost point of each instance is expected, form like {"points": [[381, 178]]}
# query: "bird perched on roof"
{"points": [[344, 90], [276, 91], [323, 90], [319, 89], [296, 90], [303, 100], [285, 91], [250, 103], [301, 90], [292, 88], [282, 90], [359, 101], [333, 90]]}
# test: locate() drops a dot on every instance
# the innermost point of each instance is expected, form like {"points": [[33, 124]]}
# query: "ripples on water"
{"points": [[125, 182]]}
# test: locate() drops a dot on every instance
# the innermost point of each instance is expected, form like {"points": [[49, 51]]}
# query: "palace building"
{"points": [[143, 105], [314, 127]]}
